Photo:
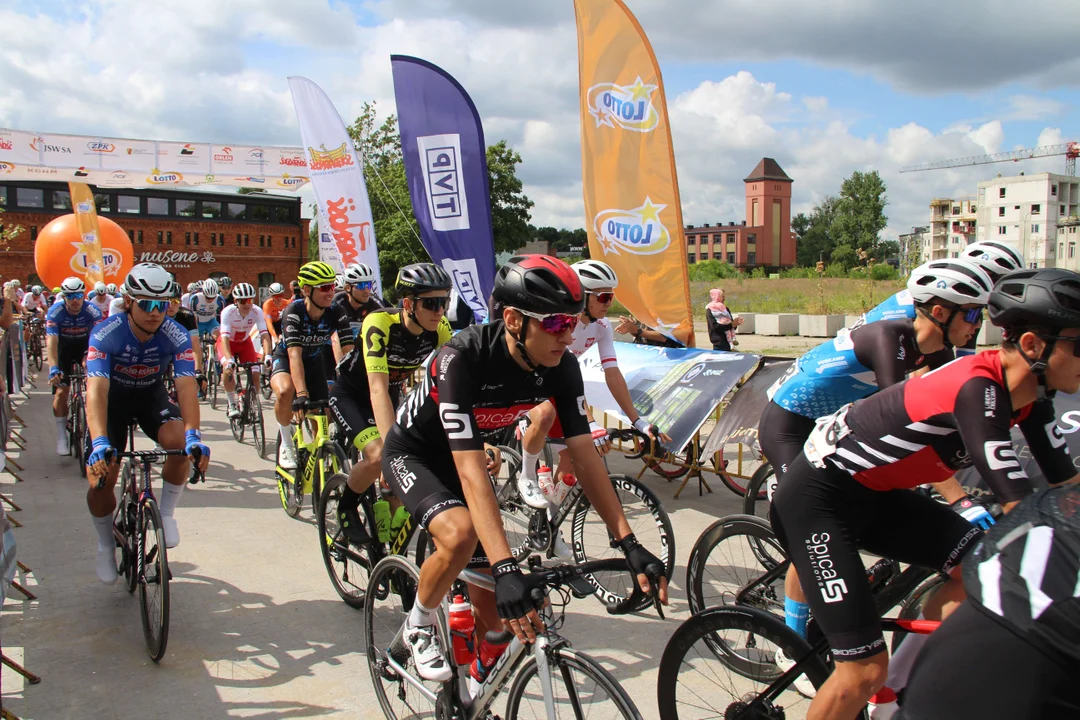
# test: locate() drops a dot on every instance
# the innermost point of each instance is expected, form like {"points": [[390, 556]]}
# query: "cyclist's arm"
{"points": [[605, 344], [983, 416], [296, 369], [335, 347], [226, 333], [196, 346], [375, 335], [187, 389], [52, 347], [1048, 445], [343, 338], [98, 369], [264, 333], [292, 329]]}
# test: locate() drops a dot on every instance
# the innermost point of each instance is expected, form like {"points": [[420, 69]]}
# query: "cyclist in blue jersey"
{"points": [[949, 297], [126, 360], [997, 259], [67, 335], [207, 306]]}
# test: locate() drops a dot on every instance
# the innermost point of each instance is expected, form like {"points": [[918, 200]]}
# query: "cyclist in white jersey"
{"points": [[206, 304], [599, 282], [237, 322], [117, 304], [99, 297], [34, 301]]}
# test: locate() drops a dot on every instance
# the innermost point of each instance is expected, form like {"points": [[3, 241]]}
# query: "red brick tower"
{"points": [[768, 207]]}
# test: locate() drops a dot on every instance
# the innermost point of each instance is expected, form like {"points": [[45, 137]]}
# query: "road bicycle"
{"points": [[251, 413], [317, 458], [549, 679], [530, 531], [35, 348], [141, 539], [210, 369], [267, 390], [76, 417]]}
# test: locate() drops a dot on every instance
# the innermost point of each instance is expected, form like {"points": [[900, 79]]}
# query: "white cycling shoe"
{"points": [[287, 457], [560, 549], [530, 492], [106, 565], [427, 652], [172, 532], [802, 683], [62, 445]]}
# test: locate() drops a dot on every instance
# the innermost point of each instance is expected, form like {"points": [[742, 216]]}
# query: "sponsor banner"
{"points": [[86, 220], [346, 229], [442, 141], [739, 421], [123, 162], [634, 217], [676, 388]]}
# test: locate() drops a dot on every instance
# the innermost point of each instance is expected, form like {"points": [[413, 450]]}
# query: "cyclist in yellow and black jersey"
{"points": [[392, 344]]}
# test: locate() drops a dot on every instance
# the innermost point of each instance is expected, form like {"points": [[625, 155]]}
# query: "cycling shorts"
{"points": [[426, 487], [781, 435], [354, 417], [149, 407], [313, 375], [207, 327], [69, 355], [823, 516], [969, 657], [243, 351]]}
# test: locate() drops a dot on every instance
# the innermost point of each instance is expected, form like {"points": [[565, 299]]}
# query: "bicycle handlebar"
{"points": [[150, 456], [574, 576], [629, 433]]}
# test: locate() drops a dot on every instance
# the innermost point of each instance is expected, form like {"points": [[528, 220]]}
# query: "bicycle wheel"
{"points": [[125, 525], [267, 391], [668, 465], [516, 515], [390, 593], [78, 449], [648, 521], [580, 688], [731, 553], [758, 491], [696, 681], [154, 584], [258, 428], [35, 350], [348, 567], [239, 425], [329, 461], [912, 607], [290, 488]]}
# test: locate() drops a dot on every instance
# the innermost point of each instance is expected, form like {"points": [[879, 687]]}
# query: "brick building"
{"points": [[764, 239], [258, 238]]}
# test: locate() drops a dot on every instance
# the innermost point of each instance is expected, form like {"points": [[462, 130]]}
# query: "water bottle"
{"points": [[400, 516], [543, 479], [882, 706], [491, 649], [382, 519], [462, 628], [563, 487]]}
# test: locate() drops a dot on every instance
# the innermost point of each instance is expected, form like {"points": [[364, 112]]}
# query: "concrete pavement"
{"points": [[256, 629]]}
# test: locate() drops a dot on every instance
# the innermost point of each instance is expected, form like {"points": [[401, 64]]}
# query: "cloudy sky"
{"points": [[825, 87]]}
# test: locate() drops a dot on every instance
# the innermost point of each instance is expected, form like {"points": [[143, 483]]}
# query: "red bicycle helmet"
{"points": [[540, 284]]}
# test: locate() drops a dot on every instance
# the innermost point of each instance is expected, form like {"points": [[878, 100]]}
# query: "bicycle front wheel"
{"points": [[580, 688], [720, 663], [154, 583], [258, 428], [213, 380], [347, 566], [290, 487], [648, 521], [762, 484], [330, 461], [732, 553]]}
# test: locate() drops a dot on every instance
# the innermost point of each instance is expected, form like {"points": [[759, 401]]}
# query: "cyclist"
{"points": [[851, 486], [67, 335], [207, 305], [237, 322], [189, 322], [486, 378], [35, 301], [111, 289], [192, 288], [1019, 629], [996, 259], [100, 299], [298, 374], [126, 360], [599, 282], [294, 288], [272, 309], [396, 341], [116, 305], [225, 283], [357, 300]]}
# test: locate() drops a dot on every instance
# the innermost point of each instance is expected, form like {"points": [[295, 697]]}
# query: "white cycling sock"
{"points": [[103, 527], [903, 660], [231, 396], [170, 498], [421, 616], [529, 463], [61, 425], [286, 435]]}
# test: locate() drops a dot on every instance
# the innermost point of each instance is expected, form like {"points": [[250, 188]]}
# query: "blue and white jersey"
{"points": [[900, 305], [204, 308], [116, 354], [824, 379], [68, 327]]}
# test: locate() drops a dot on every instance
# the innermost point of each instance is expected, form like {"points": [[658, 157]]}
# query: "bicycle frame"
{"points": [[320, 436]]}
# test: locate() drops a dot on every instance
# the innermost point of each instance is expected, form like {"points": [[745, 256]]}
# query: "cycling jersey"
{"points": [[851, 366], [237, 327], [901, 305], [389, 349], [598, 332], [71, 328], [925, 429], [357, 315], [273, 308], [101, 303], [116, 354], [33, 302], [205, 309], [298, 329], [187, 320]]}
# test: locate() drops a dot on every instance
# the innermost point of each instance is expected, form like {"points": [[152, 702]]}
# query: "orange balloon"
{"points": [[59, 252]]}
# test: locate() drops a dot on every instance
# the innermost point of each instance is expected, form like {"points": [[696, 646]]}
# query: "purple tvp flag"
{"points": [[446, 167]]}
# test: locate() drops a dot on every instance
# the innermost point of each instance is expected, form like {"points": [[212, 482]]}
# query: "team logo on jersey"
{"points": [[138, 372], [187, 355], [95, 354]]}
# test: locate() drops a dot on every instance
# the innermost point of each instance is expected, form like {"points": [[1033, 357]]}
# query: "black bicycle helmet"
{"points": [[1045, 298], [420, 278], [539, 284]]}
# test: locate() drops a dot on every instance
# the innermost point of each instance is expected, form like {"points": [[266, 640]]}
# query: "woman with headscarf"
{"points": [[720, 322]]}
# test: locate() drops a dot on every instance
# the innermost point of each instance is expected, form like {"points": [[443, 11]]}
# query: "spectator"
{"points": [[721, 322], [295, 287]]}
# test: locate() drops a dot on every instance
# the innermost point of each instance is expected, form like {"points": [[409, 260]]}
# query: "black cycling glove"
{"points": [[300, 402], [513, 590], [641, 561]]}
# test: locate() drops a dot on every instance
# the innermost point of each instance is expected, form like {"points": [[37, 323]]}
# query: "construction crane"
{"points": [[1070, 150]]}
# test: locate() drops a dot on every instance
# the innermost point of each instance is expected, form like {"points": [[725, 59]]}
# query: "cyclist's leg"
{"points": [[541, 418], [67, 358], [160, 420], [818, 516], [781, 434], [281, 382], [102, 501], [228, 373], [358, 425]]}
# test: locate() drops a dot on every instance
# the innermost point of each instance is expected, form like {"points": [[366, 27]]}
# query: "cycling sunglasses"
{"points": [[434, 304], [554, 323], [366, 285], [603, 297], [326, 287], [245, 301], [73, 296], [153, 305], [972, 316], [1075, 340]]}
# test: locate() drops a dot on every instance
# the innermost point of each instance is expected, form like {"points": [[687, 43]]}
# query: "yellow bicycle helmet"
{"points": [[315, 273]]}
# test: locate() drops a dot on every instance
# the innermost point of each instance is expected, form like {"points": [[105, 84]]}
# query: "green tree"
{"points": [[509, 204], [815, 233], [860, 214], [8, 232], [249, 191]]}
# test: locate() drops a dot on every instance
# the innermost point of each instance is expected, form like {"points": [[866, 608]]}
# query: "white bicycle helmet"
{"points": [[276, 289], [100, 289], [193, 287], [957, 281], [358, 273], [73, 285], [147, 280], [123, 290], [595, 274], [339, 283], [995, 258], [243, 291], [111, 288], [210, 289], [36, 290]]}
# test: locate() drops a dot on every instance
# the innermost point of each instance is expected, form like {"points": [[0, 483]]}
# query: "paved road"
{"points": [[257, 630]]}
